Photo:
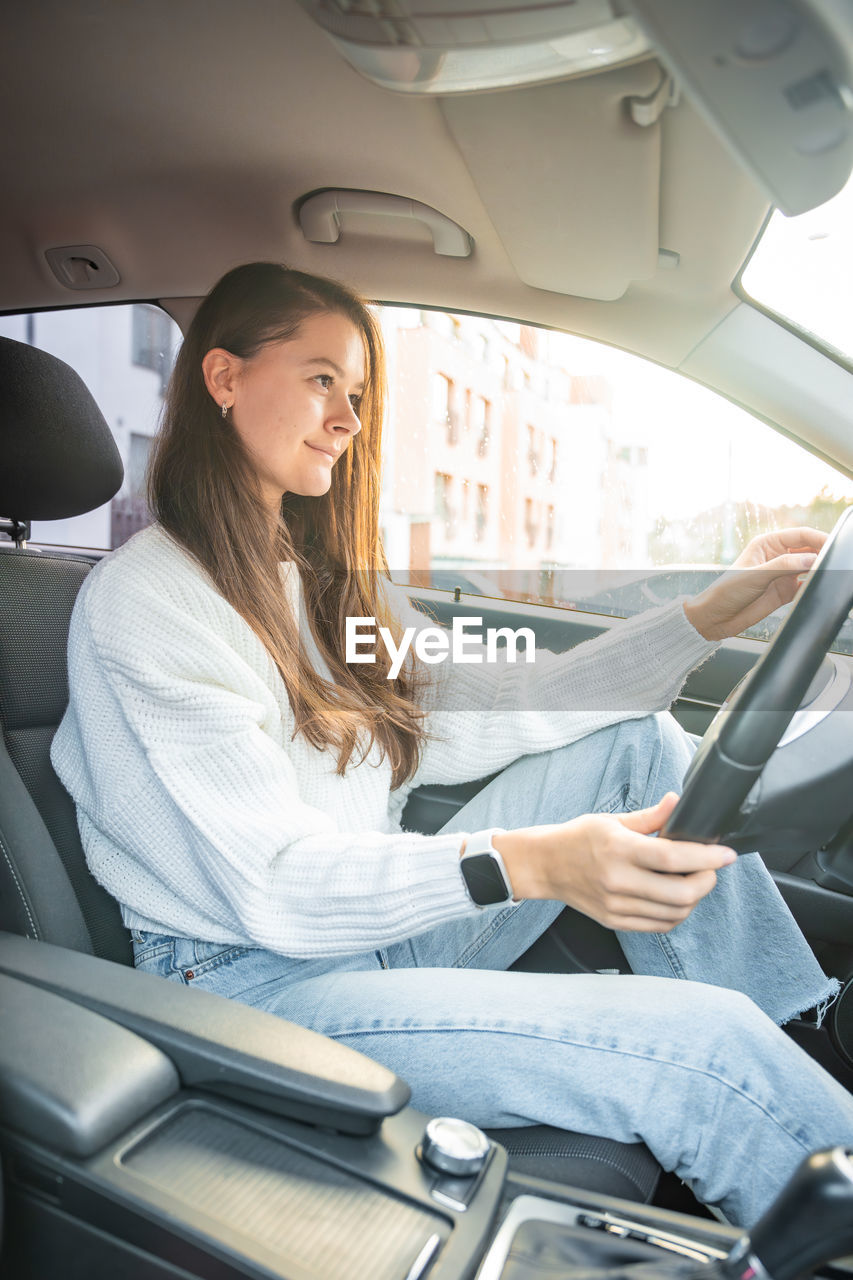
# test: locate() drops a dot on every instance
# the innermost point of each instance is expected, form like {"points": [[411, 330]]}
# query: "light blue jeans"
{"points": [[695, 1068]]}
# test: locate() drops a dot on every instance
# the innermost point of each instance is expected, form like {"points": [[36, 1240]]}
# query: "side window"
{"points": [[152, 341], [125, 355], [586, 478]]}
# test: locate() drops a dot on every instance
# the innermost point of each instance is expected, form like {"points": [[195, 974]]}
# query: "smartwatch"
{"points": [[483, 870]]}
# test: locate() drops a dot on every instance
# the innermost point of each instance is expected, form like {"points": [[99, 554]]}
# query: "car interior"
{"points": [[601, 168]]}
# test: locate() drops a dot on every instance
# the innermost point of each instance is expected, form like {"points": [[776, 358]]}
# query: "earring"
{"points": [[224, 409]]}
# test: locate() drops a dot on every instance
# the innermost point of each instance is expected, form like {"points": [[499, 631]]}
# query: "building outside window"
{"points": [[483, 425], [152, 341], [481, 516], [444, 509], [531, 521], [532, 451], [453, 425], [443, 409], [137, 463], [129, 510]]}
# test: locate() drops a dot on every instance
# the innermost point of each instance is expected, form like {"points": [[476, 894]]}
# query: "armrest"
{"points": [[218, 1045], [70, 1079]]}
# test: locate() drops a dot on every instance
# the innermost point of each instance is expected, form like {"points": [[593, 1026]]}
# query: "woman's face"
{"points": [[295, 406]]}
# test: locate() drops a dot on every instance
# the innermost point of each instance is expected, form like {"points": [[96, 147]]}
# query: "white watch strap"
{"points": [[482, 842]]}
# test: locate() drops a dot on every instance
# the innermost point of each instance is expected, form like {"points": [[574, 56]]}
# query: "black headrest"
{"points": [[57, 456]]}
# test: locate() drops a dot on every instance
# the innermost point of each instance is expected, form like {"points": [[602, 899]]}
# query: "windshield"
{"points": [[802, 269]]}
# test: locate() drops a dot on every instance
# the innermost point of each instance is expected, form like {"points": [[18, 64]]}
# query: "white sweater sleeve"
{"points": [[204, 814], [187, 793], [483, 715]]}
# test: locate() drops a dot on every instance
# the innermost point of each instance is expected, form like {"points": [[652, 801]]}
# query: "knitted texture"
{"points": [[205, 817]]}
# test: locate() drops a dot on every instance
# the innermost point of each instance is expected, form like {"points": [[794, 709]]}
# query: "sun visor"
{"points": [[592, 178]]}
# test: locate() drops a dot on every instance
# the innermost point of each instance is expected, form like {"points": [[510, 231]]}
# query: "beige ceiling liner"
{"points": [[592, 178]]}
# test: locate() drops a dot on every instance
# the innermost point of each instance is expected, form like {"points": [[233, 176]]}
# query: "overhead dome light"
{"points": [[461, 46]]}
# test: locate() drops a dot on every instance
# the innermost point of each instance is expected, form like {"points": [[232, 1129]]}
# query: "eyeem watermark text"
{"points": [[434, 644]]}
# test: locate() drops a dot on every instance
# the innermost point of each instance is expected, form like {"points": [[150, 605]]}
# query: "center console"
{"points": [[206, 1188], [160, 1133], [550, 1232]]}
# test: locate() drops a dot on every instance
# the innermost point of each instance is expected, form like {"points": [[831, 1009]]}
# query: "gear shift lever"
{"points": [[811, 1222]]}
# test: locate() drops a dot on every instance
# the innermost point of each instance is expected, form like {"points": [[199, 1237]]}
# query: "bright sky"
{"points": [[683, 423], [803, 269]]}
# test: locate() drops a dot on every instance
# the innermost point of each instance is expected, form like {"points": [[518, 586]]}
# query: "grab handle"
{"points": [[320, 218]]}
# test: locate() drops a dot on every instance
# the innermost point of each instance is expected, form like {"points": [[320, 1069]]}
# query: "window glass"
{"points": [[124, 355], [597, 481], [137, 466], [152, 340], [802, 268], [519, 463]]}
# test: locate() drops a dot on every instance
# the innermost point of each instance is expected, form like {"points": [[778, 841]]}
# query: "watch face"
{"points": [[483, 877]]}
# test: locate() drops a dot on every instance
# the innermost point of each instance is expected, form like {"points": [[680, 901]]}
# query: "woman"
{"points": [[239, 786]]}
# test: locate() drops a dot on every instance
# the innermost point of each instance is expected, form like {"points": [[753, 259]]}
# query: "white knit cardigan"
{"points": [[203, 815]]}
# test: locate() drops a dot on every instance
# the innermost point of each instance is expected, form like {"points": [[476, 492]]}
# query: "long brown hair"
{"points": [[205, 493]]}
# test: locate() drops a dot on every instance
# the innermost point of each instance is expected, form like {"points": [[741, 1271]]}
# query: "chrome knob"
{"points": [[454, 1146]]}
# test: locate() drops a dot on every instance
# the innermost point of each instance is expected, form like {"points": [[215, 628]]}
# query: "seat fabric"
{"points": [[37, 593], [613, 1168]]}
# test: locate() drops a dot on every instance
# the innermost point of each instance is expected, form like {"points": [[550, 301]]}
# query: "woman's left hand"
{"points": [[764, 577]]}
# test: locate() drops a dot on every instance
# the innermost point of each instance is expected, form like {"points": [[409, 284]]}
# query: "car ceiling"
{"points": [[180, 137]]}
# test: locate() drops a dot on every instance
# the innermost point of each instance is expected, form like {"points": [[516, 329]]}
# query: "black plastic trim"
{"points": [[71, 1079], [219, 1045]]}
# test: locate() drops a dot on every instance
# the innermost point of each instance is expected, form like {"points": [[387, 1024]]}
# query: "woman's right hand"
{"points": [[608, 866]]}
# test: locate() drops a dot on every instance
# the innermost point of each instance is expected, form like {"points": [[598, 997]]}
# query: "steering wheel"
{"points": [[746, 732]]}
